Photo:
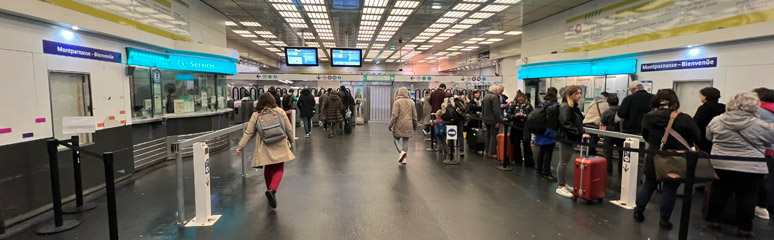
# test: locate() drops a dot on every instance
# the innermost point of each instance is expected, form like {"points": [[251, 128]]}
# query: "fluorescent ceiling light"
{"points": [[279, 43], [369, 59], [393, 24], [439, 25], [380, 45], [454, 30], [482, 15], [290, 14], [458, 47], [494, 8], [461, 26], [494, 32], [513, 33], [390, 29], [472, 47], [471, 21], [426, 34], [366, 33], [324, 30], [507, 1], [446, 20], [280, 1], [389, 60], [315, 8], [367, 28], [230, 23], [418, 40], [410, 46], [313, 1], [325, 34], [318, 15], [381, 40], [440, 38], [396, 18], [387, 33], [313, 44], [477, 39], [470, 42], [369, 23], [281, 54], [455, 14], [298, 25], [446, 34], [295, 20], [362, 45], [308, 35], [466, 49], [322, 26], [329, 44], [421, 61], [274, 49], [422, 49], [485, 43], [401, 12], [261, 43], [426, 46], [241, 31], [284, 7], [371, 17], [375, 3], [320, 21], [466, 6], [494, 39], [440, 53], [406, 4], [377, 11], [365, 39]]}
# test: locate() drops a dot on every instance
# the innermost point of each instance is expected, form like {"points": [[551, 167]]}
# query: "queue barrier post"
{"points": [[59, 225], [110, 191], [690, 176], [506, 158], [80, 206], [452, 133]]}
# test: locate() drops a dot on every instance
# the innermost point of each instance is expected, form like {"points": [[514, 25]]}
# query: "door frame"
{"points": [[90, 108]]}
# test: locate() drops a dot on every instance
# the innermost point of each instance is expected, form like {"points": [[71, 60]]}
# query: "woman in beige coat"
{"points": [[403, 121], [272, 156]]}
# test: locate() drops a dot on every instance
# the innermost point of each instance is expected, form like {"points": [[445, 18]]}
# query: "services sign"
{"points": [[677, 65], [633, 21], [63, 49]]}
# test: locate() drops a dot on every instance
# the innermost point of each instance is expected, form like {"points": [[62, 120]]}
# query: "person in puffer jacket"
{"points": [[738, 132]]}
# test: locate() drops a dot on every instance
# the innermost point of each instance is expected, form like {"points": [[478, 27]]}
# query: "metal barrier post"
{"points": [[2, 224], [293, 122], [60, 224], [110, 191], [506, 159], [432, 133], [690, 175], [452, 134], [79, 205], [243, 154], [180, 186], [629, 174]]}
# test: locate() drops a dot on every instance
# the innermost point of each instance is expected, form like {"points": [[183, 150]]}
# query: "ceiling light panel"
{"points": [[366, 33], [478, 1], [274, 49], [324, 30], [230, 23], [280, 1], [485, 43], [426, 46], [401, 12], [290, 14], [466, 49], [313, 1], [494, 32], [261, 43], [362, 45], [466, 6], [278, 43], [380, 45], [315, 8], [410, 46], [461, 26], [313, 44], [369, 10], [471, 47], [390, 29], [369, 23], [329, 44], [322, 26], [418, 40], [364, 38], [367, 28], [507, 1], [439, 25], [321, 21], [477, 39], [250, 24], [396, 18], [284, 7], [513, 33], [371, 17], [268, 35], [469, 42], [375, 3], [433, 30], [494, 39], [471, 21], [446, 34], [454, 30], [242, 31], [248, 35], [308, 35], [455, 14], [406, 4], [281, 54], [482, 15], [446, 20], [426, 34], [295, 20], [393, 24], [318, 15], [494, 8], [372, 54]]}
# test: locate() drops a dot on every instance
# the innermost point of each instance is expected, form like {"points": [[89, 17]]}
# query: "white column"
{"points": [[629, 165], [201, 161]]}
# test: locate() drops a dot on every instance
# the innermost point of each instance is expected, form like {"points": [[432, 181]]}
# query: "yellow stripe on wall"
{"points": [[164, 3], [750, 18], [643, 8], [108, 16], [605, 9]]}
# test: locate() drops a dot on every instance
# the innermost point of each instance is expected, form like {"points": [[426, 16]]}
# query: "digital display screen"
{"points": [[301, 56], [346, 57]]}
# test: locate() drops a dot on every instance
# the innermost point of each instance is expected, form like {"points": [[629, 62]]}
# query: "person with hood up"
{"points": [[738, 132], [348, 104], [306, 108], [403, 122], [706, 112], [274, 92], [332, 108], [653, 127], [323, 98]]}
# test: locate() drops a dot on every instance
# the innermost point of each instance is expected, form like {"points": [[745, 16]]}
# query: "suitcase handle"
{"points": [[585, 140]]}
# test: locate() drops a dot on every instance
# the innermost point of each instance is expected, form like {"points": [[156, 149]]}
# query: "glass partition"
{"points": [[177, 92]]}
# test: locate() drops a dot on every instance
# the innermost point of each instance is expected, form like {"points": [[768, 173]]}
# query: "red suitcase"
{"points": [[590, 177]]}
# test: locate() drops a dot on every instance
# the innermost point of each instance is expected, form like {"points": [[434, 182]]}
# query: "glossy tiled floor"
{"points": [[351, 187]]}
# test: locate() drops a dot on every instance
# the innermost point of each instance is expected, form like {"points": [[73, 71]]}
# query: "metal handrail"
{"points": [[179, 164], [613, 134]]}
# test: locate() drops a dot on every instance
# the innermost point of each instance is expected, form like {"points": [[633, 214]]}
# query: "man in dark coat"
{"points": [[436, 98], [634, 107], [306, 108]]}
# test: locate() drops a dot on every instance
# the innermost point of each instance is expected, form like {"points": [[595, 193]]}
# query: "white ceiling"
{"points": [[420, 31]]}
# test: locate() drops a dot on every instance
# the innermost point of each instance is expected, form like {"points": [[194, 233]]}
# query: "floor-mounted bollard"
{"points": [[452, 134], [80, 206], [59, 224], [690, 171], [110, 192]]}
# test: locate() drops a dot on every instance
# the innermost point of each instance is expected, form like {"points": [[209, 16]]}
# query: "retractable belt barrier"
{"points": [[60, 224], [691, 160]]}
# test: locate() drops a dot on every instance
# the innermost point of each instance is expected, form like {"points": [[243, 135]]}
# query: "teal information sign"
{"points": [[379, 78], [179, 62]]}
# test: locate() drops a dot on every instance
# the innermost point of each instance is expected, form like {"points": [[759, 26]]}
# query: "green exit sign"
{"points": [[392, 47]]}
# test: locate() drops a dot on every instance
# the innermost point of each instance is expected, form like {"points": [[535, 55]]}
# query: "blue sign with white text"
{"points": [[677, 65], [179, 62], [63, 49]]}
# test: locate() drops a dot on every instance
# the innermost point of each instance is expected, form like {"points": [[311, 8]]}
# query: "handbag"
{"points": [[674, 167]]}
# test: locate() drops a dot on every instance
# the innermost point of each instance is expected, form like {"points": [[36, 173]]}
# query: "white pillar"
{"points": [[629, 165], [201, 161]]}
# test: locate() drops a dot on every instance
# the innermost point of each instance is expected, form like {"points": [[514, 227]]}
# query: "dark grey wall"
{"points": [[25, 183]]}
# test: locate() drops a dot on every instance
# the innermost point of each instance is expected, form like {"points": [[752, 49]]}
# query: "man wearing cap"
{"points": [[634, 107]]}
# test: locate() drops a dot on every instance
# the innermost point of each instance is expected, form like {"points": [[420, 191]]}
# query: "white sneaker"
{"points": [[762, 213], [404, 161], [563, 192], [307, 135], [425, 132], [402, 157], [569, 189]]}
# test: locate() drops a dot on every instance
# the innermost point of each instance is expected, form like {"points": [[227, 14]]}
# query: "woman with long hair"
{"points": [[570, 129], [271, 156]]}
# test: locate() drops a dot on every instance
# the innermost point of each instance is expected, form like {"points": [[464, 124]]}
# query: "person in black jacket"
{"points": [[306, 107], [517, 114], [610, 123], [633, 107], [493, 116], [570, 129], [348, 103], [706, 112], [545, 141], [653, 127]]}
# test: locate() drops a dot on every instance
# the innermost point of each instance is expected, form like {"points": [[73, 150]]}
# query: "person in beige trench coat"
{"points": [[403, 121], [272, 157]]}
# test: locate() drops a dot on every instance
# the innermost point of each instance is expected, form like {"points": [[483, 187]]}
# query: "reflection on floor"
{"points": [[351, 187]]}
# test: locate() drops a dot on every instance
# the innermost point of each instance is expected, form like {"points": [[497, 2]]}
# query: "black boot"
{"points": [[666, 225], [272, 198], [639, 216]]}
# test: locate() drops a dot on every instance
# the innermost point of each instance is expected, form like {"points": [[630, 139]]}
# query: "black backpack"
{"points": [[537, 121], [451, 114], [286, 102]]}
